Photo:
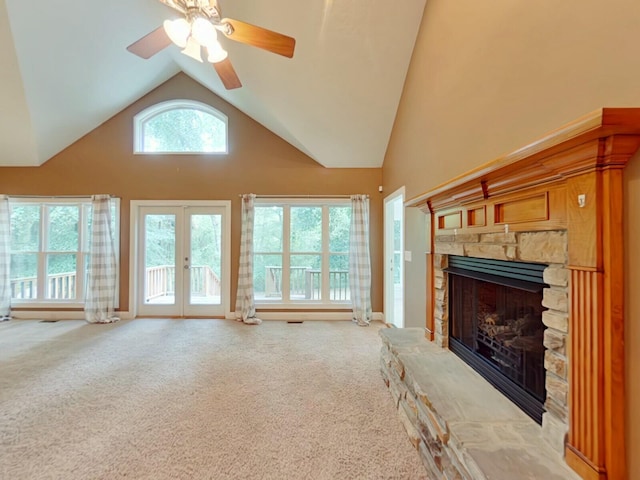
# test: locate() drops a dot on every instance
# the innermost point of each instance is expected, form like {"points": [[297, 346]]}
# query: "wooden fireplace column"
{"points": [[596, 430], [578, 169]]}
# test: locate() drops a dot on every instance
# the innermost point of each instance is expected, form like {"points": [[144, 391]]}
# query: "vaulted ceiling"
{"points": [[65, 70]]}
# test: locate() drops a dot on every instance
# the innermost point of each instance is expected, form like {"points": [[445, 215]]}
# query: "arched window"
{"points": [[180, 126]]}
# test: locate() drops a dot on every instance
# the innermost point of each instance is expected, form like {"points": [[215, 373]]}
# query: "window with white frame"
{"points": [[301, 251], [180, 126], [50, 249]]}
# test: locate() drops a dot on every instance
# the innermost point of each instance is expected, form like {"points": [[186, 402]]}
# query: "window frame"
{"points": [[286, 302], [141, 118], [81, 254]]}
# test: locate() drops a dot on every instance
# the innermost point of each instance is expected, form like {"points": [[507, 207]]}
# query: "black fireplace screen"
{"points": [[496, 326]]}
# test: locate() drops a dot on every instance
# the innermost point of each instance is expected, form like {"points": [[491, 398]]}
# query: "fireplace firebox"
{"points": [[495, 311]]}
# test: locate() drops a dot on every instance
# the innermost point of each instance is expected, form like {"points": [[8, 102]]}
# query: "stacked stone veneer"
{"points": [[428, 432], [548, 247]]}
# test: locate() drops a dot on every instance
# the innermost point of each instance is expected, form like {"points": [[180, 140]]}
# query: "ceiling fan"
{"points": [[198, 29]]}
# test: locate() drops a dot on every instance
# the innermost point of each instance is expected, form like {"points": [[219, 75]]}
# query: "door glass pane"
{"points": [[160, 259], [61, 276], [63, 228], [205, 260], [267, 277], [306, 229], [305, 278], [24, 272], [25, 228], [339, 278], [398, 264]]}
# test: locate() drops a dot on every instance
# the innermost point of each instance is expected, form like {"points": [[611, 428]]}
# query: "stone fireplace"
{"points": [[545, 342], [556, 203]]}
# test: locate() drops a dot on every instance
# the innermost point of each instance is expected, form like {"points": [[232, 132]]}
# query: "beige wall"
{"points": [[489, 77], [259, 162]]}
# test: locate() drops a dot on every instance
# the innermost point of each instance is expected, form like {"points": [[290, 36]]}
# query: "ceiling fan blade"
{"points": [[227, 74], [150, 44], [261, 37]]}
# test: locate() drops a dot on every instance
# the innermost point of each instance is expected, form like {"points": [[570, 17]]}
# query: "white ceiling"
{"points": [[65, 70]]}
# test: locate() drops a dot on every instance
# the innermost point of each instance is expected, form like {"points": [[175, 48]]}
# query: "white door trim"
{"points": [[134, 219], [387, 279]]}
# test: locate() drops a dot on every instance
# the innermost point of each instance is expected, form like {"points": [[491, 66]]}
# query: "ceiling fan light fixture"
{"points": [[216, 53], [192, 50], [203, 31], [199, 28], [178, 31]]}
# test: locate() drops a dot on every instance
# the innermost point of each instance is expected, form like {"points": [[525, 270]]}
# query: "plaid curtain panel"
{"points": [[359, 260], [101, 285], [5, 259], [245, 303]]}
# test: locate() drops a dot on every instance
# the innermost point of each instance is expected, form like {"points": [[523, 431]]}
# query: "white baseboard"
{"points": [[57, 315], [77, 315], [324, 316]]}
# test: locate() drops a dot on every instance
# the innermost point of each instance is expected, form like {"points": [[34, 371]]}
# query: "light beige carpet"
{"points": [[197, 399]]}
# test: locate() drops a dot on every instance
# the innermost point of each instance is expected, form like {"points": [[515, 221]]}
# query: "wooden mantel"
{"points": [[571, 179]]}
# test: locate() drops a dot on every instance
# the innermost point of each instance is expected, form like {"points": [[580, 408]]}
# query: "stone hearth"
{"points": [[463, 428]]}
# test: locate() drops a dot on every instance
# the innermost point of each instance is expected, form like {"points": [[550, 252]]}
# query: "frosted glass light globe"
{"points": [[203, 32], [178, 31], [216, 53]]}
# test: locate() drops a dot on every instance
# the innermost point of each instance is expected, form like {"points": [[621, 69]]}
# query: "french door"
{"points": [[183, 259]]}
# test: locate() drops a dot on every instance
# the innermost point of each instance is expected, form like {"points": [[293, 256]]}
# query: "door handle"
{"points": [[186, 267]]}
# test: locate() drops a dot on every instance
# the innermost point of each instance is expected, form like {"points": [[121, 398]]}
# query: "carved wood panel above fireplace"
{"points": [[557, 201]]}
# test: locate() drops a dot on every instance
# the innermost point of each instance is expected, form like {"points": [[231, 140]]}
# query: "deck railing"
{"points": [[160, 281], [204, 281], [60, 286], [306, 283], [339, 285], [24, 288]]}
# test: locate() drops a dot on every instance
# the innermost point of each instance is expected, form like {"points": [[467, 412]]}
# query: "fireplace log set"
{"points": [[516, 345]]}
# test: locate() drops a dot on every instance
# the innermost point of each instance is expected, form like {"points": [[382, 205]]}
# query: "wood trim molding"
{"points": [[582, 466], [613, 322], [570, 179]]}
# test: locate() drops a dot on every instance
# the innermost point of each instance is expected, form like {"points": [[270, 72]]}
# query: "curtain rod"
{"points": [[302, 196], [54, 196]]}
